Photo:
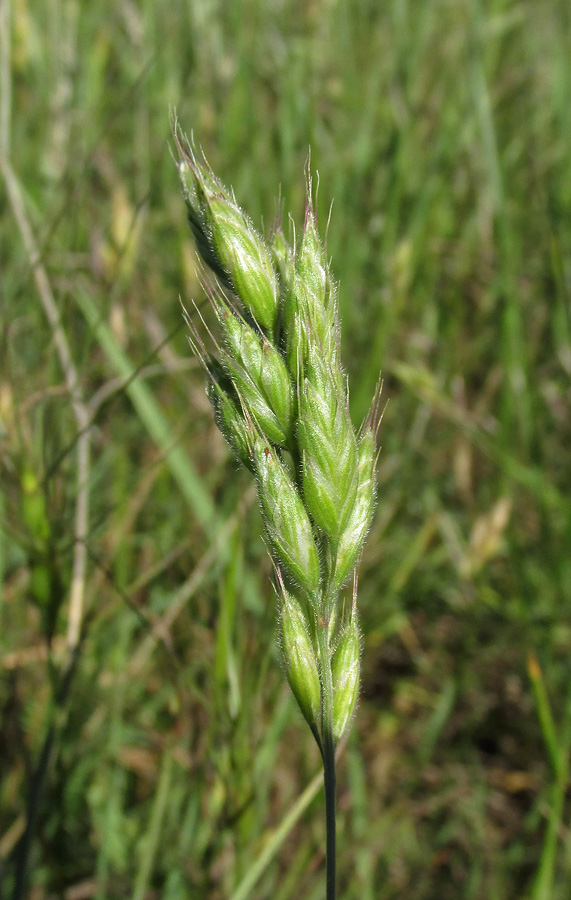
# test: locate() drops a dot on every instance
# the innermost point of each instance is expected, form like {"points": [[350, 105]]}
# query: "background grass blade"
{"points": [[151, 416], [276, 838], [151, 840]]}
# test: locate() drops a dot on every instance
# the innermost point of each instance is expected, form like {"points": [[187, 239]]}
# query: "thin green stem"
{"points": [[328, 752]]}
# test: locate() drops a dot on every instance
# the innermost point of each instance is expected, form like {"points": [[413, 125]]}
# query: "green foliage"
{"points": [[441, 131]]}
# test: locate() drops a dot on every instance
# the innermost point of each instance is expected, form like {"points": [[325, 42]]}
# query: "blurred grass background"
{"points": [[161, 758]]}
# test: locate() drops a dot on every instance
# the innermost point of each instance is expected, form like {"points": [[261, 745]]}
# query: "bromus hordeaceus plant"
{"points": [[280, 400]]}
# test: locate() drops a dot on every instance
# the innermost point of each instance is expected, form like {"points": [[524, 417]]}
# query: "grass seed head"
{"points": [[278, 386]]}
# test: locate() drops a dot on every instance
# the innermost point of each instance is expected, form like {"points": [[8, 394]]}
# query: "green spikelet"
{"points": [[229, 243], [246, 260], [288, 526], [355, 531], [193, 178], [299, 658], [310, 307], [329, 456], [230, 420], [260, 377], [345, 673]]}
